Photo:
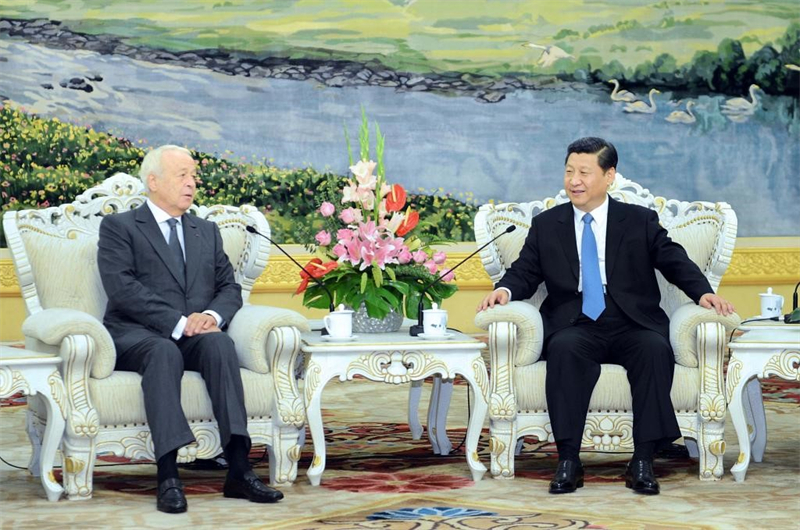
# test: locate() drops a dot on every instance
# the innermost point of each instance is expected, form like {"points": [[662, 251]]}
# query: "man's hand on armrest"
{"points": [[499, 296], [720, 305]]}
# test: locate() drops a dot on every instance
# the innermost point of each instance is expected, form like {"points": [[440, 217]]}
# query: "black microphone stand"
{"points": [[418, 328], [332, 308]]}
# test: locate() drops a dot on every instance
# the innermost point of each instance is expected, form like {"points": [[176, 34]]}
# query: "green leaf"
{"points": [[349, 149], [363, 282], [390, 273]]}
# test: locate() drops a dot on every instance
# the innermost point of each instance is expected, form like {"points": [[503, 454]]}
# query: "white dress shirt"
{"points": [[599, 225], [161, 218]]}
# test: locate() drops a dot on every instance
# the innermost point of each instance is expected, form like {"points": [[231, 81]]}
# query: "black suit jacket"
{"points": [[145, 296], [636, 245]]}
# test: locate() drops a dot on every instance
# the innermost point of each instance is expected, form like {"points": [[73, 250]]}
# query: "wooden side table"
{"points": [[765, 349], [393, 358], [33, 373]]}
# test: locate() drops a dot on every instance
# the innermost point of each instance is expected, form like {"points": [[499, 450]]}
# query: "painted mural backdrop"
{"points": [[477, 100]]}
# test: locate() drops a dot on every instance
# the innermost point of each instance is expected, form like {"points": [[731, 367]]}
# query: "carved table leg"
{"points": [[759, 419], [316, 379], [414, 395], [476, 420], [437, 415]]}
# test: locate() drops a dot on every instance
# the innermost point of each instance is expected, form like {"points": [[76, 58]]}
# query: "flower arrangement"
{"points": [[370, 250]]}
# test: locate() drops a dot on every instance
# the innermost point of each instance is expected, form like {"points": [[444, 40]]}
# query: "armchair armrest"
{"points": [[529, 327], [51, 326], [250, 329], [683, 327]]}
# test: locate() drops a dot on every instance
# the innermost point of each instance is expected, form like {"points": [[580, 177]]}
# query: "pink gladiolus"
{"points": [[327, 209], [323, 237], [439, 257], [339, 250], [448, 275], [419, 256], [431, 266], [351, 215]]}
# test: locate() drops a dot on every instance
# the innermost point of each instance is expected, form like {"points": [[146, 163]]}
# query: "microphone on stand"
{"points": [[417, 328], [252, 230]]}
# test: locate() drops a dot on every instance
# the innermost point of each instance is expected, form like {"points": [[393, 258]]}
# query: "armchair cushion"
{"points": [[118, 398], [51, 326], [250, 328], [683, 330], [530, 330]]}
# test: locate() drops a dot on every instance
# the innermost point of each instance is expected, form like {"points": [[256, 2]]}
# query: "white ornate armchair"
{"points": [[55, 255], [517, 401]]}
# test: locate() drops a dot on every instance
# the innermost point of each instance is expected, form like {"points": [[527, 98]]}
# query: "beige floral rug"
{"points": [[377, 476]]}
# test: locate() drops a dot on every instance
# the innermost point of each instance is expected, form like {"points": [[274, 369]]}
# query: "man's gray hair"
{"points": [[151, 164]]}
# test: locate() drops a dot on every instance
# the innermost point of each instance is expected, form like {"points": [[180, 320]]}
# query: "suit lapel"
{"points": [[566, 234], [148, 226], [191, 239], [614, 232]]}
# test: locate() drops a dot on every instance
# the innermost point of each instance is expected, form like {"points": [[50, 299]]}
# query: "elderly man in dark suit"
{"points": [[597, 258], [171, 291]]}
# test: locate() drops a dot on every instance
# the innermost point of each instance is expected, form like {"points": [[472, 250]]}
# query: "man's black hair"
{"points": [[605, 151]]}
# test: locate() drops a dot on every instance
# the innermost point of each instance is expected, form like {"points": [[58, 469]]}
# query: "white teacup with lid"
{"points": [[339, 323], [771, 304], [434, 321]]}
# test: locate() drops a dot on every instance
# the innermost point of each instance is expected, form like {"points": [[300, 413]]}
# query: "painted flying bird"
{"points": [[641, 107], [620, 95], [680, 116], [550, 54]]}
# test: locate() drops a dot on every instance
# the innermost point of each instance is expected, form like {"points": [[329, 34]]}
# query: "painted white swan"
{"points": [[620, 95], [642, 107], [680, 116], [741, 105]]}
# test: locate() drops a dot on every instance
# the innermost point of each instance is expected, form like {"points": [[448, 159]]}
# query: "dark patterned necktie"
{"points": [[175, 248]]}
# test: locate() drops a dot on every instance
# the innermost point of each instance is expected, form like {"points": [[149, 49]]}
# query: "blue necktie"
{"points": [[593, 301], [175, 246]]}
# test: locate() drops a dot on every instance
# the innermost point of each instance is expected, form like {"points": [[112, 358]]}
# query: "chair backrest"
{"points": [[55, 249], [706, 230]]}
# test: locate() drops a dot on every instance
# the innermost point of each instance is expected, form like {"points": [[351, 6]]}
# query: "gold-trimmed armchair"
{"points": [[518, 406], [55, 256]]}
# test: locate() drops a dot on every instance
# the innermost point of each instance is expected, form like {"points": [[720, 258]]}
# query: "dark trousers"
{"points": [[161, 363], [574, 356]]}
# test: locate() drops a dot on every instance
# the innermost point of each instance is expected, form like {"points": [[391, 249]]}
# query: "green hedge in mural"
{"points": [[46, 162]]}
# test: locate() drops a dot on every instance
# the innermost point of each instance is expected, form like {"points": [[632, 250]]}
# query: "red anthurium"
{"points": [[317, 270], [396, 198], [408, 224]]}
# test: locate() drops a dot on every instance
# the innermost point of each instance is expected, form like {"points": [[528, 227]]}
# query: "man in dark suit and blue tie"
{"points": [[171, 291], [597, 258]]}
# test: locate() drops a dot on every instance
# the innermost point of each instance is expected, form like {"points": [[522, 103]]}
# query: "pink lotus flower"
{"points": [[327, 209], [448, 275], [431, 266], [351, 215], [404, 256], [323, 237], [419, 256], [439, 257]]}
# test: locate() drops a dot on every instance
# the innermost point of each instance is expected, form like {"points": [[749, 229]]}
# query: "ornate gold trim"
{"points": [[749, 266]]}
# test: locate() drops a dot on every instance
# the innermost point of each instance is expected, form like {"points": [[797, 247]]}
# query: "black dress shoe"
{"points": [[170, 496], [568, 478], [251, 488], [639, 476]]}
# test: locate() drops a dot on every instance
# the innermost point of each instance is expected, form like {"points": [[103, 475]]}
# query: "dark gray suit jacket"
{"points": [[141, 279], [636, 245]]}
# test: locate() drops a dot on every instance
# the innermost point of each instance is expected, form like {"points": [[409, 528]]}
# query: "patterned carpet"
{"points": [[378, 477]]}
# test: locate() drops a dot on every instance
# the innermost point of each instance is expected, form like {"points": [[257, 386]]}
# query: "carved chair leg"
{"points": [[502, 446], [284, 453], [79, 454], [711, 445]]}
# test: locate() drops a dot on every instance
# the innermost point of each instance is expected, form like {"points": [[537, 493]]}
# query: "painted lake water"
{"points": [[507, 151]]}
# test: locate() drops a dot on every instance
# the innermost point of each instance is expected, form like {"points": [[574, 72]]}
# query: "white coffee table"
{"points": [[394, 358], [765, 349], [31, 373]]}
